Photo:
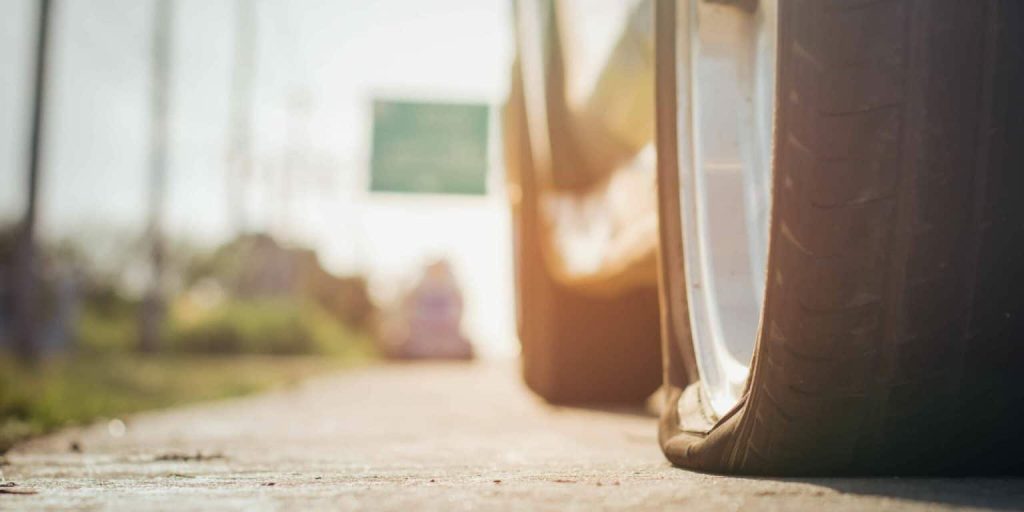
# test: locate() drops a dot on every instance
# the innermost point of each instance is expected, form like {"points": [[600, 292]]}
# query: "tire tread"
{"points": [[888, 222]]}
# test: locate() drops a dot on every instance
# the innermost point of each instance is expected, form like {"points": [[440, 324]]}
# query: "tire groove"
{"points": [[895, 275], [971, 267]]}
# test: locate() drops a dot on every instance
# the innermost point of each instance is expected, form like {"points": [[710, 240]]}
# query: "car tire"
{"points": [[577, 347], [891, 336]]}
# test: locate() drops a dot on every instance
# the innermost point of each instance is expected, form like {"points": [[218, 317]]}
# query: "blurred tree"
{"points": [[153, 305], [256, 266], [25, 303]]}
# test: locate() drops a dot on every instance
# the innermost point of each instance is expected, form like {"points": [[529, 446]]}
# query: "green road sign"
{"points": [[429, 148]]}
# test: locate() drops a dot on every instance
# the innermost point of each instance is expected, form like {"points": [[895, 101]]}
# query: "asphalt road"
{"points": [[419, 437]]}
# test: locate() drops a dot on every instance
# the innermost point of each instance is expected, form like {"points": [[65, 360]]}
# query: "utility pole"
{"points": [[295, 159], [239, 168], [26, 301], [152, 313]]}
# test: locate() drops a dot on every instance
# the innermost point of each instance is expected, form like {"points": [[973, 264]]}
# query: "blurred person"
{"points": [[428, 322]]}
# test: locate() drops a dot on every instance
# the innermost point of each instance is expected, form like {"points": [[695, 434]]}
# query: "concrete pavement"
{"points": [[420, 437]]}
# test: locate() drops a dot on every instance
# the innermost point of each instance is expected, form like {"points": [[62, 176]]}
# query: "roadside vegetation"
{"points": [[75, 390], [244, 317]]}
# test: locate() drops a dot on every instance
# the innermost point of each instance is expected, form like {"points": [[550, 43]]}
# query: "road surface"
{"points": [[419, 437]]}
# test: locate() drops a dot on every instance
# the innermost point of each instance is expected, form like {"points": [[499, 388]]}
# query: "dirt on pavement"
{"points": [[419, 437]]}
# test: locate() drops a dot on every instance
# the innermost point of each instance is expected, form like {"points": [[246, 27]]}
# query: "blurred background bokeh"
{"points": [[206, 219]]}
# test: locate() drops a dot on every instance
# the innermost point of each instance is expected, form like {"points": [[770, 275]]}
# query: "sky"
{"points": [[319, 64]]}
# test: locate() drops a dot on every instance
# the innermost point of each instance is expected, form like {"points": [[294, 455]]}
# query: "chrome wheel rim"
{"points": [[726, 97]]}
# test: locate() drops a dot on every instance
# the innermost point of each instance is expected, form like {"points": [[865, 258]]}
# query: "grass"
{"points": [[272, 326], [264, 326], [76, 390]]}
